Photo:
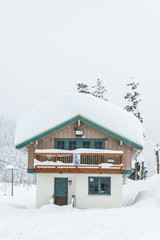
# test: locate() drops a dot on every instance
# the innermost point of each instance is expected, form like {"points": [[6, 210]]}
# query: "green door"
{"points": [[61, 191]]}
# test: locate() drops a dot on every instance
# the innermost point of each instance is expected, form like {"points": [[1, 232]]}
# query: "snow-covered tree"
{"points": [[82, 88], [139, 171], [99, 90], [132, 105], [11, 156], [133, 99]]}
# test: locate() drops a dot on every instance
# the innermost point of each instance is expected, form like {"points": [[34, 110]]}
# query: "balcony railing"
{"points": [[78, 169], [86, 158]]}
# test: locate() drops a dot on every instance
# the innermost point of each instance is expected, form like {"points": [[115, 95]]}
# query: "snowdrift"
{"points": [[142, 193]]}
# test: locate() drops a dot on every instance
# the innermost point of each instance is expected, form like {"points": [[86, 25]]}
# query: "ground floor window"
{"points": [[99, 185]]}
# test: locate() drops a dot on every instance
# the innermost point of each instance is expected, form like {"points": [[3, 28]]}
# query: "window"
{"points": [[98, 144], [99, 185], [86, 144], [72, 145], [60, 145]]}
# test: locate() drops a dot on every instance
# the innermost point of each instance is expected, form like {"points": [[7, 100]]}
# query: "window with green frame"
{"points": [[73, 143], [99, 185], [60, 145], [98, 145], [86, 144]]}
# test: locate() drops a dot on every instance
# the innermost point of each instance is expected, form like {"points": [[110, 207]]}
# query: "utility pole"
{"points": [[12, 168], [142, 171], [157, 153], [12, 183], [136, 171]]}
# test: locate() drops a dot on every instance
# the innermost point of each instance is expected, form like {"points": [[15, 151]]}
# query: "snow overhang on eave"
{"points": [[84, 120]]}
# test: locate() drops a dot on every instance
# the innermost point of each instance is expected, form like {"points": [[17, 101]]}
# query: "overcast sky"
{"points": [[47, 46]]}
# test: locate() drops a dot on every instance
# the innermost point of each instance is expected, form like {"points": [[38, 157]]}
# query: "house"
{"points": [[80, 148]]}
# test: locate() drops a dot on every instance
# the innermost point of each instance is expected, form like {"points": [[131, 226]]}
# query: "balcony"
{"points": [[91, 161]]}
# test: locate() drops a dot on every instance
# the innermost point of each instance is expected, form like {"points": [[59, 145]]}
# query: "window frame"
{"points": [[79, 142], [99, 186], [61, 143], [72, 144], [86, 142], [98, 143]]}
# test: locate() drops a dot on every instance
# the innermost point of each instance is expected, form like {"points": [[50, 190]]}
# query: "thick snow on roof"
{"points": [[64, 107], [78, 151]]}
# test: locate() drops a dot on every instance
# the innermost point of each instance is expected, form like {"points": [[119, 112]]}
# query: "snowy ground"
{"points": [[19, 220]]}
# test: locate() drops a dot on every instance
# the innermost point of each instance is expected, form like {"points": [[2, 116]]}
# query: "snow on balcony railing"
{"points": [[87, 156], [58, 164]]}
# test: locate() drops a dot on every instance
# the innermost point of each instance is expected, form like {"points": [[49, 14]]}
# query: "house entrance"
{"points": [[61, 191]]}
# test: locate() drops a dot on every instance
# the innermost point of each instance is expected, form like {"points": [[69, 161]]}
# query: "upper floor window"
{"points": [[86, 144], [72, 145], [98, 145], [60, 145]]}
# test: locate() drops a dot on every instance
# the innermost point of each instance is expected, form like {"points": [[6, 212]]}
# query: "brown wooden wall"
{"points": [[89, 132]]}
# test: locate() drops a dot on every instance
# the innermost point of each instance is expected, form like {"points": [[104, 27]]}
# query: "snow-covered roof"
{"points": [[64, 109], [78, 151]]}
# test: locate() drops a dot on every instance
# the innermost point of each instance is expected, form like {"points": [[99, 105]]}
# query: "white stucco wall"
{"points": [[45, 187], [83, 200], [79, 188]]}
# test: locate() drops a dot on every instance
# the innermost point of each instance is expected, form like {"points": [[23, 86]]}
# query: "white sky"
{"points": [[47, 46]]}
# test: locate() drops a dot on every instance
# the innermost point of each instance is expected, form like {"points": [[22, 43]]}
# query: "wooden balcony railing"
{"points": [[116, 169], [86, 158]]}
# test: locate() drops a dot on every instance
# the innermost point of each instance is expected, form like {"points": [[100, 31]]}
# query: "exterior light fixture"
{"points": [[79, 133], [70, 182]]}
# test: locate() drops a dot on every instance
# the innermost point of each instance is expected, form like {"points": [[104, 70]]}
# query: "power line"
{"points": [[13, 164]]}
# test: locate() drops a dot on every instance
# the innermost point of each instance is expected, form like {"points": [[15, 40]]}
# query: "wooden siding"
{"points": [[76, 169], [89, 132]]}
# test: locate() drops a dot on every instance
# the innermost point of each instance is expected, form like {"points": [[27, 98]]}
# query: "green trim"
{"points": [[85, 120], [79, 142], [99, 186], [30, 170], [128, 172]]}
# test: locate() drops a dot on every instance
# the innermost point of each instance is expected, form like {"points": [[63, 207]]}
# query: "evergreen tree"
{"points": [[133, 99], [82, 88], [99, 90]]}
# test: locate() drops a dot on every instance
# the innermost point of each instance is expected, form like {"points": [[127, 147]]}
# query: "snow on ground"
{"points": [[19, 219]]}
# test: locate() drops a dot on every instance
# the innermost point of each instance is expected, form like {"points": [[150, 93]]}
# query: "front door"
{"points": [[61, 191]]}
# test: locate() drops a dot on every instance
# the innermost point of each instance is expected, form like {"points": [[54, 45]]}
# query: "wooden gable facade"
{"points": [[90, 134]]}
